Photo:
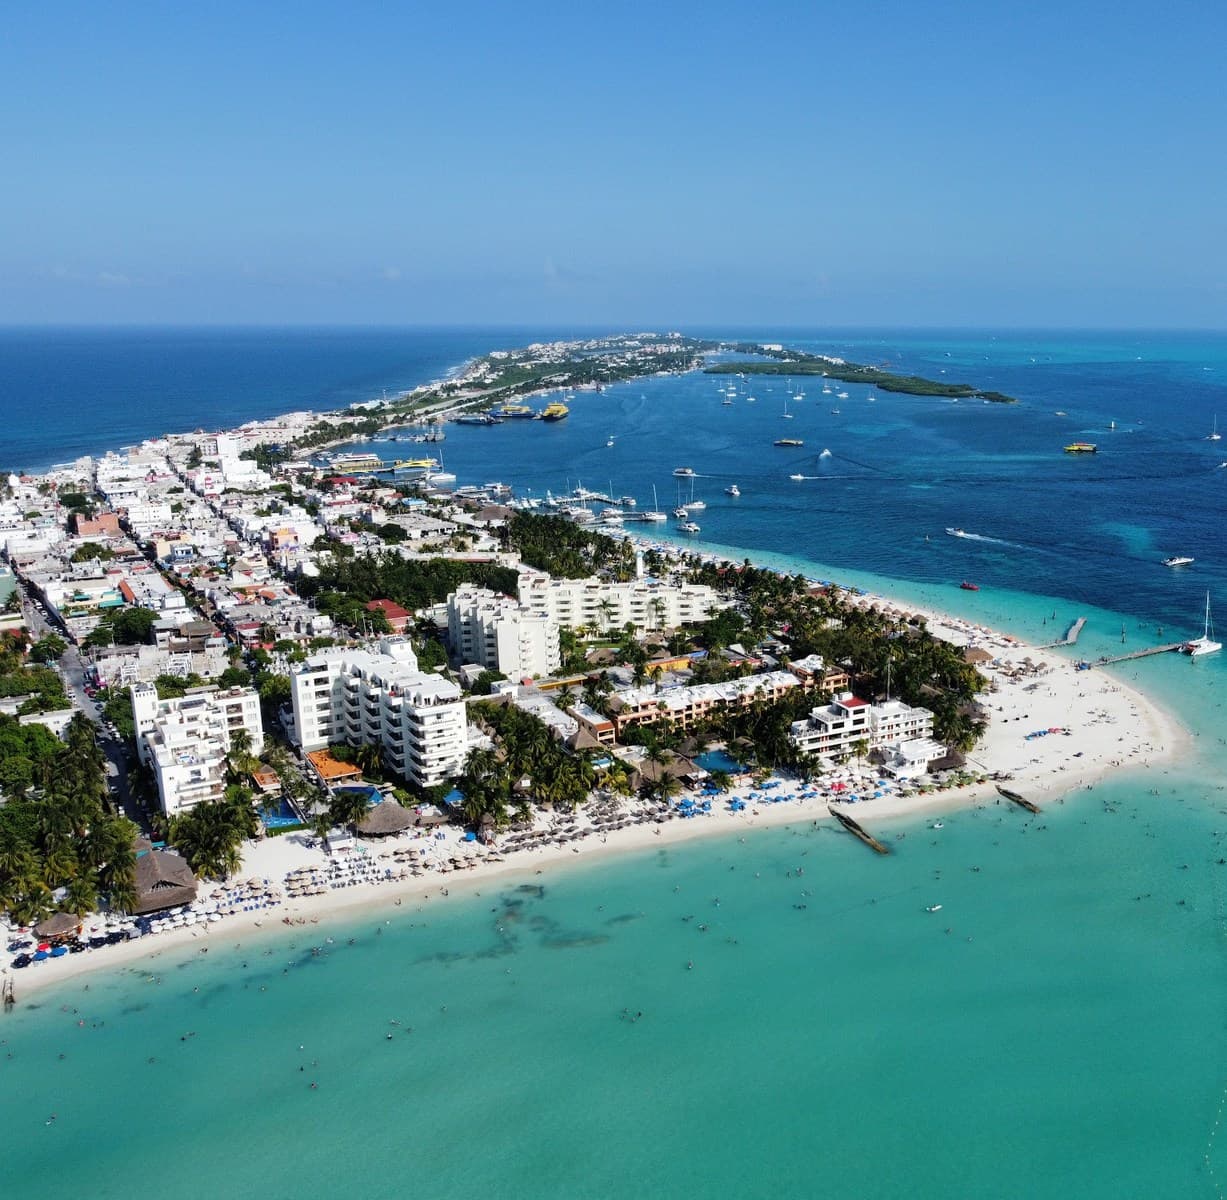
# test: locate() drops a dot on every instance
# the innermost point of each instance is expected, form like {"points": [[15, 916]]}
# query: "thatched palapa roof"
{"points": [[162, 881], [386, 817], [57, 925]]}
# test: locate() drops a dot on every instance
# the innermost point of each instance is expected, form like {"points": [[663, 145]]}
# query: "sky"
{"points": [[629, 163]]}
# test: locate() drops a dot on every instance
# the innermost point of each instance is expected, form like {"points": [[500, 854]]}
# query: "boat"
{"points": [[1214, 435], [1177, 560], [627, 501], [841, 395], [834, 412], [969, 587], [554, 412], [788, 442], [609, 441], [654, 513], [933, 907], [688, 527], [1081, 448], [825, 454], [695, 505], [515, 412], [787, 414], [680, 513], [685, 472], [955, 532], [355, 462], [727, 401], [1206, 643], [732, 490], [478, 419], [938, 825], [796, 477]]}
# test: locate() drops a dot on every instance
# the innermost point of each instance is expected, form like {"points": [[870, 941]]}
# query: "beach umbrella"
{"points": [[41, 955]]}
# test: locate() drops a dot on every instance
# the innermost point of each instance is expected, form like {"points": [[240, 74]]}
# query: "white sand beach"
{"points": [[1052, 729]]}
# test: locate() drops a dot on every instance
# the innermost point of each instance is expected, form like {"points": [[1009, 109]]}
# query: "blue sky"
{"points": [[679, 163]]}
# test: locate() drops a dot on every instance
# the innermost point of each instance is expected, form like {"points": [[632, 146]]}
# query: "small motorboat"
{"points": [[933, 908], [969, 587]]}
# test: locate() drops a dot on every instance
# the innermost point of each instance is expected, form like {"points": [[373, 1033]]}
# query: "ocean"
{"points": [[778, 1015]]}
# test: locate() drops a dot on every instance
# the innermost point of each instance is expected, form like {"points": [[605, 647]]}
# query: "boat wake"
{"points": [[984, 537]]}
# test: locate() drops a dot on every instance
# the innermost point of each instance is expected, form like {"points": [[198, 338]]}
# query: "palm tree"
{"points": [[240, 761]]}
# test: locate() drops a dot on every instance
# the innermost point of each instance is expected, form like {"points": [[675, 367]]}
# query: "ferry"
{"points": [[554, 412], [478, 419], [1177, 560], [355, 462], [969, 587], [1081, 448], [515, 412], [788, 442]]}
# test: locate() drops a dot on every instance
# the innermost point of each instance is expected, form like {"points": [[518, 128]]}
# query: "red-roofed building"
{"points": [[397, 617], [103, 525]]}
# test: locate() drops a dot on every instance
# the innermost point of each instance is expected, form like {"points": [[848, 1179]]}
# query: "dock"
{"points": [[1019, 799], [1108, 659], [857, 832], [1071, 635]]}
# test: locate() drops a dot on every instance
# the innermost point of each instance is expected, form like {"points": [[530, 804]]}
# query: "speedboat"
{"points": [[796, 477], [955, 532], [1177, 560], [788, 442], [933, 908], [732, 490], [683, 471], [969, 587]]}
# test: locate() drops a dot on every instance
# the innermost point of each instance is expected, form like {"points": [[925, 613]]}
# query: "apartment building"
{"points": [[185, 740], [598, 604], [835, 729], [683, 706], [501, 635], [379, 697]]}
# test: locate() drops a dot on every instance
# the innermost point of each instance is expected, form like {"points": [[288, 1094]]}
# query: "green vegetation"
{"points": [[797, 362], [88, 551], [566, 550], [42, 687], [527, 752], [123, 627], [210, 835], [55, 830]]}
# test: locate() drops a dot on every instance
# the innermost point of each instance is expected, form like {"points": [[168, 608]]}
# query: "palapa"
{"points": [[385, 818], [57, 925]]}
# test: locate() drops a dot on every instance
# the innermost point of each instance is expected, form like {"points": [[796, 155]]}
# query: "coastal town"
{"points": [[280, 672]]}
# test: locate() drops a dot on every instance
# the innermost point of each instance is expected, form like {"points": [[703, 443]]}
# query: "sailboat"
{"points": [[787, 414], [654, 513], [1206, 643], [1214, 435]]}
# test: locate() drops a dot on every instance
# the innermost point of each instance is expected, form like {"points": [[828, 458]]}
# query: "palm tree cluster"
{"points": [[567, 550], [55, 829], [527, 751], [210, 835]]}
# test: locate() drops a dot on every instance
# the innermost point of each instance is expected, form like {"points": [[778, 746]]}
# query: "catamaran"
{"points": [[1214, 435], [1206, 643]]}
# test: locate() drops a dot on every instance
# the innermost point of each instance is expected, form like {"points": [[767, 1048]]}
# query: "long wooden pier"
{"points": [[1108, 659], [857, 832]]}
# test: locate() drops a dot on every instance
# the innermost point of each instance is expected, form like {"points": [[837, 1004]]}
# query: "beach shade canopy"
{"points": [[56, 925], [385, 818]]}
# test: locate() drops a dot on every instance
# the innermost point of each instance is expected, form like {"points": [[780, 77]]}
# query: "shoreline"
{"points": [[1112, 728]]}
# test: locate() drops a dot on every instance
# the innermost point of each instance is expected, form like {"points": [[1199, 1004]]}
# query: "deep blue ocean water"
{"points": [[1065, 1038]]}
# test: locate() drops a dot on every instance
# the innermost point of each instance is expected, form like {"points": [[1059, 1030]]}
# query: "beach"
{"points": [[1052, 731]]}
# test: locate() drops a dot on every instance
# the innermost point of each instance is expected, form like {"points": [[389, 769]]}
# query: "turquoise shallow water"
{"points": [[1065, 1037]]}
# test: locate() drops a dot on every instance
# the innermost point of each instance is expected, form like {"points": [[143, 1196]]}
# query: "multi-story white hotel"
{"points": [[601, 605], [834, 729], [185, 740], [501, 635], [365, 697], [680, 707]]}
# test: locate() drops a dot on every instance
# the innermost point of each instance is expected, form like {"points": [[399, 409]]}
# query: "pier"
{"points": [[1071, 635], [857, 832], [1108, 659]]}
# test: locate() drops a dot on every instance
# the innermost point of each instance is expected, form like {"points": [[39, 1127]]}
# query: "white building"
{"points": [[363, 697], [501, 635], [185, 740], [601, 605], [835, 729]]}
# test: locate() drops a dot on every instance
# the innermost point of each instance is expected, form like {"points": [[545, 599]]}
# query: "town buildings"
{"points": [[598, 604]]}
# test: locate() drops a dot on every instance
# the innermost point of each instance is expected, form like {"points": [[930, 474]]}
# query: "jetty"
{"points": [[1019, 799], [1108, 659], [857, 832], [1071, 635]]}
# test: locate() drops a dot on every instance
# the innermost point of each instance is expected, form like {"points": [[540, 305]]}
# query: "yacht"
{"points": [[1206, 643], [841, 395], [1214, 435], [1177, 560], [685, 472], [732, 490], [654, 513], [627, 501], [688, 527], [694, 505], [680, 513], [788, 442], [750, 399]]}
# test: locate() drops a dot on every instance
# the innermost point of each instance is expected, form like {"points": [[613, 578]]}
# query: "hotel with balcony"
{"points": [[379, 697]]}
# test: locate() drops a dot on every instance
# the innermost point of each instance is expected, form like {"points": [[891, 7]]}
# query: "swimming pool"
{"points": [[282, 817], [719, 760]]}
